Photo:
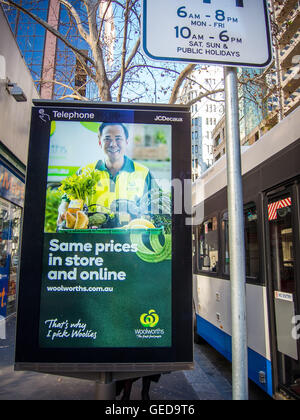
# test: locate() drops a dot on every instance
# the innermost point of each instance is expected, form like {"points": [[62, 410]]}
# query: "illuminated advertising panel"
{"points": [[106, 262]]}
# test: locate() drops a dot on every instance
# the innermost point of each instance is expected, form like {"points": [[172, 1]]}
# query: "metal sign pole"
{"points": [[105, 387], [236, 239]]}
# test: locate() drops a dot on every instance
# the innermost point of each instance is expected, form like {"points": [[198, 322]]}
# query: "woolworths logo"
{"points": [[150, 319]]}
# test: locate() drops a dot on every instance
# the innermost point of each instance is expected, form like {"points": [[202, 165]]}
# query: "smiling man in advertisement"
{"points": [[121, 182]]}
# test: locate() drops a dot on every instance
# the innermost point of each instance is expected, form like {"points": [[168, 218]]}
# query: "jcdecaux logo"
{"points": [[150, 319]]}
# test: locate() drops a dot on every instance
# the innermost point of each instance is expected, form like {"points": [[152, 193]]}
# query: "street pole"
{"points": [[236, 239], [105, 387]]}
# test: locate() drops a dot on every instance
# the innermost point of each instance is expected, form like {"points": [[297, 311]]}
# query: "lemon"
{"points": [[141, 223]]}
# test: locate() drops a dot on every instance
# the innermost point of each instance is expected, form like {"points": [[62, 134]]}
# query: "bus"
{"points": [[271, 200]]}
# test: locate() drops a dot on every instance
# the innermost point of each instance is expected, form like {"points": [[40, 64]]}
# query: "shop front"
{"points": [[11, 204]]}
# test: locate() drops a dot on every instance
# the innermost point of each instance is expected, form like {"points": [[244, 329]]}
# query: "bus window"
{"points": [[282, 247], [225, 238], [251, 242], [208, 255]]}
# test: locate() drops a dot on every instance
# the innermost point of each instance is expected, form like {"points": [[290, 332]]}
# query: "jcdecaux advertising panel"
{"points": [[106, 261]]}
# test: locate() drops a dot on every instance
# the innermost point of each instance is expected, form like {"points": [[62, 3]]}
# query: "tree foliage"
{"points": [[105, 40], [101, 39]]}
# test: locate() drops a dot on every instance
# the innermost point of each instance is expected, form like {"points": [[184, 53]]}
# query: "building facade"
{"points": [[198, 165], [262, 106], [205, 113], [285, 82], [17, 90], [47, 57]]}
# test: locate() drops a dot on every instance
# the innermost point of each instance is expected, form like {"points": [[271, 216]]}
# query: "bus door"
{"points": [[283, 248]]}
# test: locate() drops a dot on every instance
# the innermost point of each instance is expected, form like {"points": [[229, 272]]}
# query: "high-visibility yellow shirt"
{"points": [[130, 183]]}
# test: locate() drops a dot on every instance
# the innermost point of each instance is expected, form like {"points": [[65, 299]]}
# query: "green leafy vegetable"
{"points": [[53, 200], [97, 219], [81, 186], [164, 220]]}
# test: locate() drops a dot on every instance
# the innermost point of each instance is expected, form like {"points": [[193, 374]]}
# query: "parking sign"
{"points": [[232, 32]]}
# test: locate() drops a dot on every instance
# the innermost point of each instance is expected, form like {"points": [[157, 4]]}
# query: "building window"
{"points": [[218, 140], [148, 140]]}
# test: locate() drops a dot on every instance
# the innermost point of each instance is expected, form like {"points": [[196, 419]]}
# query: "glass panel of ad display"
{"points": [[112, 259]]}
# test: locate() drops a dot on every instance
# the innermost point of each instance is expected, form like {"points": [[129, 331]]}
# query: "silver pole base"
{"points": [[105, 388]]}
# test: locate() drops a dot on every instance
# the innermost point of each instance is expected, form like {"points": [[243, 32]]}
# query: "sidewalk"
{"points": [[210, 380], [39, 386]]}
